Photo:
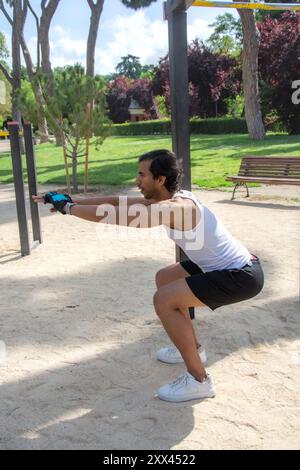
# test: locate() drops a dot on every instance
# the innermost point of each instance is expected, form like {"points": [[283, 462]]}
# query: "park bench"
{"points": [[267, 170]]}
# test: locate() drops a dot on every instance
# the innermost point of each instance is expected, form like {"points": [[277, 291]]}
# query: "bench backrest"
{"points": [[273, 167]]}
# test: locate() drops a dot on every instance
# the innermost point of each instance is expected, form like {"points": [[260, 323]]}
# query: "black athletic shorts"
{"points": [[224, 287]]}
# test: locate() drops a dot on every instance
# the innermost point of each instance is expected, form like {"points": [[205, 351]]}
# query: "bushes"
{"points": [[197, 126], [218, 126]]}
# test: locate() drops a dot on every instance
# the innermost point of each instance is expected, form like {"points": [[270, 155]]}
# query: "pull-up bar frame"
{"points": [[175, 12], [14, 136]]}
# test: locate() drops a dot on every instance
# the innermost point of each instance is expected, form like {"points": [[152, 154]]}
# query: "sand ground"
{"points": [[81, 334]]}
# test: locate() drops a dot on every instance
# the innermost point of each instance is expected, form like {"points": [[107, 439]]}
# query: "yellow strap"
{"points": [[247, 6]]}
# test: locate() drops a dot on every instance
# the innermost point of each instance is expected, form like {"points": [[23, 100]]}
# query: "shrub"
{"points": [[197, 126]]}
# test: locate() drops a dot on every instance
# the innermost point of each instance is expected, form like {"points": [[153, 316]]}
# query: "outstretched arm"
{"points": [[113, 200], [137, 215], [176, 214], [97, 200], [179, 214]]}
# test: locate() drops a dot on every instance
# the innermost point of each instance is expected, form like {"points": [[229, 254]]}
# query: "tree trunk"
{"points": [[43, 126], [36, 86], [96, 11], [47, 15], [250, 75], [17, 27], [19, 16]]}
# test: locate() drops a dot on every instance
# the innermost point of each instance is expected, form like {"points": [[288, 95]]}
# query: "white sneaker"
{"points": [[171, 355], [186, 388]]}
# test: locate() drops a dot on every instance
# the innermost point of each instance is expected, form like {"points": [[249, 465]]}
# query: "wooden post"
{"points": [[177, 21], [32, 182], [13, 128]]}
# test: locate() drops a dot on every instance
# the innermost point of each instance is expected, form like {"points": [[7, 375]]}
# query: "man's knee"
{"points": [[163, 303], [159, 302], [160, 278]]}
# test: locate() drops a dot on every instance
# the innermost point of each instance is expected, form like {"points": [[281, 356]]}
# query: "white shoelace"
{"points": [[181, 381], [172, 350]]}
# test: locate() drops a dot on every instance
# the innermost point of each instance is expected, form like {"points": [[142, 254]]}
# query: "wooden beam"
{"points": [[180, 5]]}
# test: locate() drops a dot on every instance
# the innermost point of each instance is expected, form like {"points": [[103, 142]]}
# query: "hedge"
{"points": [[197, 126]]}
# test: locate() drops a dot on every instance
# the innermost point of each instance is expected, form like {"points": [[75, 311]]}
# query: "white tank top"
{"points": [[209, 244]]}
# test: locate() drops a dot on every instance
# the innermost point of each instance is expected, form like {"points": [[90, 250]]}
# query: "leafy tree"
{"points": [[74, 91], [28, 104], [279, 66], [3, 47], [161, 106], [120, 93], [118, 100], [141, 91], [5, 104], [129, 67], [227, 37], [136, 4], [147, 71], [213, 78]]}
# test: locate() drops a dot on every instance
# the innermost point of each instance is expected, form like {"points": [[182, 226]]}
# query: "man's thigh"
{"points": [[176, 295], [170, 274]]}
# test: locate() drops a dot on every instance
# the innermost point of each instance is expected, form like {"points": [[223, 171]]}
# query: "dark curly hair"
{"points": [[164, 163]]}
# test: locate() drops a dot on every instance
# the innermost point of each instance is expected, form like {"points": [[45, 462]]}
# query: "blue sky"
{"points": [[122, 31]]}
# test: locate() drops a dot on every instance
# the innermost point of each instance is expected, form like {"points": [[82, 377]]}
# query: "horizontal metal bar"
{"points": [[247, 6]]}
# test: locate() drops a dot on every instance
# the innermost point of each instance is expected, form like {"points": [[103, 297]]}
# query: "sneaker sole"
{"points": [[183, 399]]}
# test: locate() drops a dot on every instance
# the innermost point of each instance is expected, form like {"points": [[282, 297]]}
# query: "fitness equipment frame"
{"points": [[14, 136]]}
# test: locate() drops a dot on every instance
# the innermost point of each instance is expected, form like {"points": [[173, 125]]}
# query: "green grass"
{"points": [[115, 162]]}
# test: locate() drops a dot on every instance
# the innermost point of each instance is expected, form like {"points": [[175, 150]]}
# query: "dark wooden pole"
{"points": [[179, 91], [179, 86], [32, 182], [13, 128]]}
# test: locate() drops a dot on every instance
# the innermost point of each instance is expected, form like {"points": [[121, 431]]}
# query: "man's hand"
{"points": [[58, 201]]}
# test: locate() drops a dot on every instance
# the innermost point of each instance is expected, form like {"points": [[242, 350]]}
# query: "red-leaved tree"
{"points": [[279, 66], [122, 90], [212, 79], [118, 100]]}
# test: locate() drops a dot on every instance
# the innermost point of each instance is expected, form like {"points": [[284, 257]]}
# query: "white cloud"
{"points": [[199, 29], [133, 34], [138, 35], [65, 49]]}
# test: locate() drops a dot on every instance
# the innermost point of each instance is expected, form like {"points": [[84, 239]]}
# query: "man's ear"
{"points": [[162, 180]]}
